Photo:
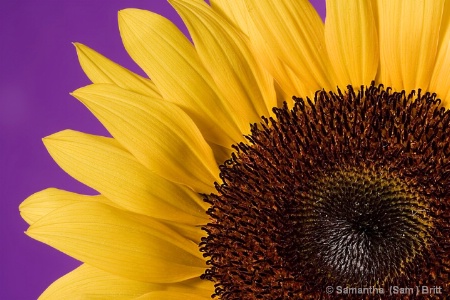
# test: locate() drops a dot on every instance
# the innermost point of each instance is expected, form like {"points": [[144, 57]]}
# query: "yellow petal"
{"points": [[87, 282], [171, 295], [288, 81], [226, 54], [158, 133], [221, 154], [294, 31], [100, 69], [234, 11], [103, 165], [42, 203], [351, 40], [120, 243], [440, 81], [191, 232], [196, 287], [408, 35], [166, 55]]}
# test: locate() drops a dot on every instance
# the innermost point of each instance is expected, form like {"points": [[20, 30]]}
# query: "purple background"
{"points": [[38, 69]]}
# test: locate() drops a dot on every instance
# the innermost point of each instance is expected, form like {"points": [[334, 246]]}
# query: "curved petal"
{"points": [[99, 69], [294, 31], [440, 81], [44, 202], [158, 133], [103, 165], [196, 287], [87, 282], [234, 11], [225, 53], [192, 232], [121, 243], [170, 60], [172, 295], [408, 35], [221, 154], [288, 81], [351, 40]]}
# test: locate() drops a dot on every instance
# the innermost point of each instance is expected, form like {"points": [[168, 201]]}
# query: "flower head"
{"points": [[274, 157]]}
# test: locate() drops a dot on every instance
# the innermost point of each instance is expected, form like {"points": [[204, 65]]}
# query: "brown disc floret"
{"points": [[351, 190]]}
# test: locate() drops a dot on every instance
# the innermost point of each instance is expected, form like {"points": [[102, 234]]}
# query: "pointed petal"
{"points": [[226, 54], [294, 31], [103, 165], [221, 154], [42, 203], [170, 60], [288, 81], [192, 232], [171, 295], [99, 69], [234, 11], [440, 81], [351, 40], [87, 282], [196, 287], [408, 35], [120, 243], [158, 133]]}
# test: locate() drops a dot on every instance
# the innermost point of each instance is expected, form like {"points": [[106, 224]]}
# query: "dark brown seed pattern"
{"points": [[351, 189]]}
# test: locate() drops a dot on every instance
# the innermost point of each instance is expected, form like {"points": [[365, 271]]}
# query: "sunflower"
{"points": [[275, 158]]}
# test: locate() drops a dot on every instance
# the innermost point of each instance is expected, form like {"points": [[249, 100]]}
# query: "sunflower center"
{"points": [[361, 226], [350, 189]]}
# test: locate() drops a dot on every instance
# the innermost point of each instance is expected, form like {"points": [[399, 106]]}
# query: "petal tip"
{"points": [[128, 13], [57, 136], [79, 47]]}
